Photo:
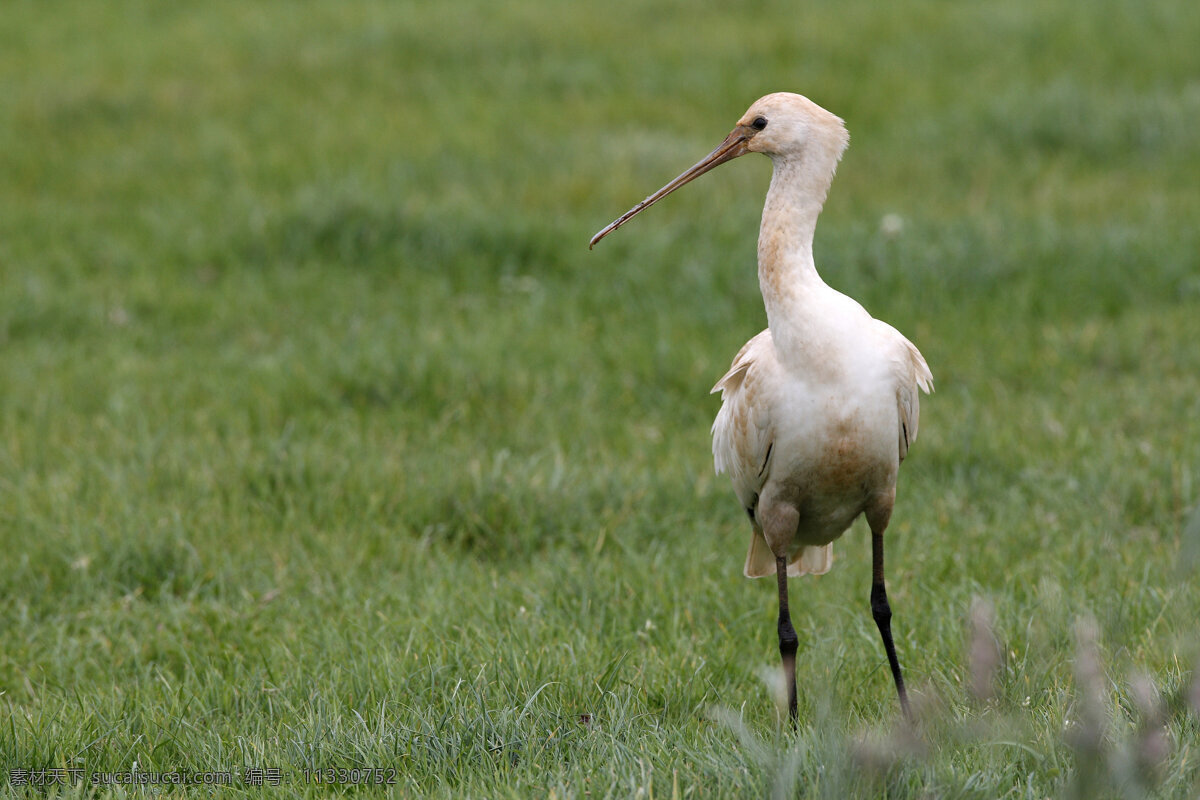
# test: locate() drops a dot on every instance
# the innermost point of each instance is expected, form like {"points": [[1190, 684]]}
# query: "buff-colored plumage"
{"points": [[774, 426], [817, 411]]}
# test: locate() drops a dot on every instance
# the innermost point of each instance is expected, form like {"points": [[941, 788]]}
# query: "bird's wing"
{"points": [[912, 377], [742, 431], [743, 439]]}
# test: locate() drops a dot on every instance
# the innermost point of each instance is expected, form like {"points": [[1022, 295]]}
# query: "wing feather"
{"points": [[912, 378], [742, 431]]}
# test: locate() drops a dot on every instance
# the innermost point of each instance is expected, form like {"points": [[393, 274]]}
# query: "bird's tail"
{"points": [[760, 561]]}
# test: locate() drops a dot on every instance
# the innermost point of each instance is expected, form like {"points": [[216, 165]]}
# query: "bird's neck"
{"points": [[787, 276]]}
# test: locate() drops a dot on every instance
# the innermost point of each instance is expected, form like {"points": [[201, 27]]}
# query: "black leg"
{"points": [[788, 641], [882, 613]]}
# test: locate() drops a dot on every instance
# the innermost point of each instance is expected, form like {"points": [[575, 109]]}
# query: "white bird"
{"points": [[817, 411]]}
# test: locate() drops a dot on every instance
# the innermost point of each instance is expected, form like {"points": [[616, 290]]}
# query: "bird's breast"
{"points": [[847, 444], [833, 454]]}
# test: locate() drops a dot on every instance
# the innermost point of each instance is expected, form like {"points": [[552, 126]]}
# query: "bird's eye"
{"points": [[759, 123]]}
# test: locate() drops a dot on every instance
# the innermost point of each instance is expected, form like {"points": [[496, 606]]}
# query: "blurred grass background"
{"points": [[324, 441]]}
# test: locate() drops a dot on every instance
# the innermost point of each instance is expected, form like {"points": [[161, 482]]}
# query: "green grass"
{"points": [[325, 442]]}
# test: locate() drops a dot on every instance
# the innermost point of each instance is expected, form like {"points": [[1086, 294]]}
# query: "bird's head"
{"points": [[782, 125], [786, 125]]}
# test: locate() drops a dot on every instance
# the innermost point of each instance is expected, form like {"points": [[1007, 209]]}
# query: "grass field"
{"points": [[326, 443]]}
